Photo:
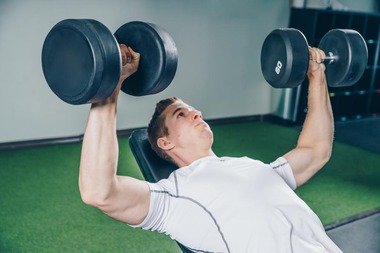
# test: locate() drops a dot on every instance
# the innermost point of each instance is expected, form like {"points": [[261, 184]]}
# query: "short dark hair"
{"points": [[157, 127]]}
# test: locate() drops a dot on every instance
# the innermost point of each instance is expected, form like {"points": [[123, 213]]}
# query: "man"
{"points": [[211, 204]]}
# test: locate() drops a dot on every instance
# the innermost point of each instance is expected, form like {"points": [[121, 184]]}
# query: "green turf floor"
{"points": [[41, 210]]}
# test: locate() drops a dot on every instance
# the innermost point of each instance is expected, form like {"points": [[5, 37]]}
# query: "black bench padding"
{"points": [[151, 165]]}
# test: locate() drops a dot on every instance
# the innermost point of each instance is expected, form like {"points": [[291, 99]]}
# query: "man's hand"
{"points": [[130, 63], [316, 66]]}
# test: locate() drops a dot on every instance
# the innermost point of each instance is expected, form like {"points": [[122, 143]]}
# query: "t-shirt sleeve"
{"points": [[282, 167], [154, 218]]}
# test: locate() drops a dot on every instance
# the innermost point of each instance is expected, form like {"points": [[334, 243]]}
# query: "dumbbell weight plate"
{"points": [[285, 58], [81, 61], [352, 53], [158, 57]]}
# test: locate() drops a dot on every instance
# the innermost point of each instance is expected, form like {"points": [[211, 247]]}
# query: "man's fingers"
{"points": [[135, 55], [316, 55]]}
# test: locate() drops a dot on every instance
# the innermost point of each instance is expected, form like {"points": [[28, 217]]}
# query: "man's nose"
{"points": [[196, 114]]}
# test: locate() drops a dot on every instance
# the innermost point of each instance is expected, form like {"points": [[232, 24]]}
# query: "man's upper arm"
{"points": [[305, 163], [129, 200]]}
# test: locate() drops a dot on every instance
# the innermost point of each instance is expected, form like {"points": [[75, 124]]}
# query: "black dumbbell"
{"points": [[81, 59], [285, 57]]}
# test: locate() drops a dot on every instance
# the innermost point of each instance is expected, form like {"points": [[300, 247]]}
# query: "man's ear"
{"points": [[164, 143]]}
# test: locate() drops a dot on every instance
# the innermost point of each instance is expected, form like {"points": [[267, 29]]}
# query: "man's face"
{"points": [[186, 127]]}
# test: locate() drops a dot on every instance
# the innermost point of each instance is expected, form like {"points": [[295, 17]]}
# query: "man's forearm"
{"points": [[318, 127], [99, 154]]}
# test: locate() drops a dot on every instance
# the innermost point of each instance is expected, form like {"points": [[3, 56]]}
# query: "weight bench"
{"points": [[151, 165]]}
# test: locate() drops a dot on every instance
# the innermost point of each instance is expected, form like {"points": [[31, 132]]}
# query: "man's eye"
{"points": [[180, 114]]}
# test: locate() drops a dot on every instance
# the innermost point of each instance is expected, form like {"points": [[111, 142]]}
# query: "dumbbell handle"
{"points": [[330, 57]]}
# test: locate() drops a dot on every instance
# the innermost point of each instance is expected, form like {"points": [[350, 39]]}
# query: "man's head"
{"points": [[178, 130], [157, 127]]}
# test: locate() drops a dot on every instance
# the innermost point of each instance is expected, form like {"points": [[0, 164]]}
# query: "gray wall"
{"points": [[219, 44]]}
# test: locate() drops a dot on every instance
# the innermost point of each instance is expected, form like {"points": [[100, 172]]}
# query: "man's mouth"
{"points": [[200, 123]]}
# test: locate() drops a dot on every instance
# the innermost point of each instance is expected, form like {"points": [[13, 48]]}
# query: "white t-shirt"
{"points": [[235, 205]]}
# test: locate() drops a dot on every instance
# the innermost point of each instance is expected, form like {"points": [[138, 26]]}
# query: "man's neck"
{"points": [[189, 158]]}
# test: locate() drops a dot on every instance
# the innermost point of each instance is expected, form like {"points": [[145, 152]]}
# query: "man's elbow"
{"points": [[87, 198], [324, 153], [93, 198]]}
